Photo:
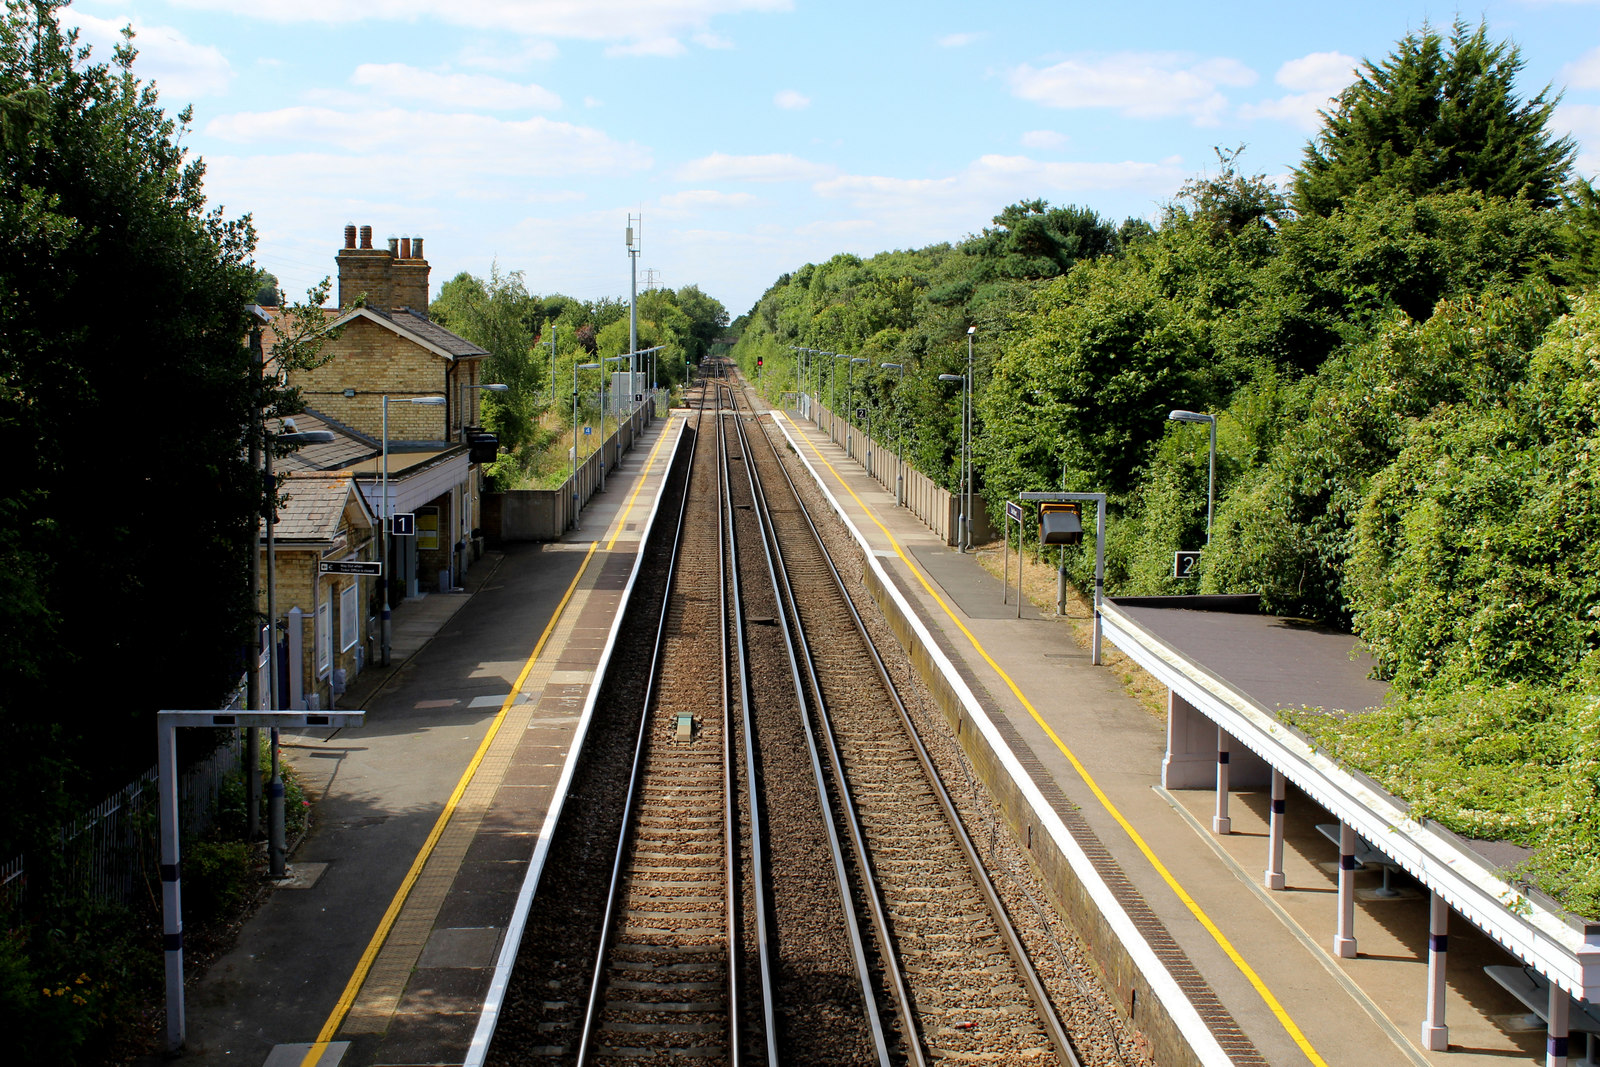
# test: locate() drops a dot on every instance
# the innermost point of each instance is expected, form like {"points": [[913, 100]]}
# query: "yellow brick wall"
{"points": [[373, 360], [298, 586]]}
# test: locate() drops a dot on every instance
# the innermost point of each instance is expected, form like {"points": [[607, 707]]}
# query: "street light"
{"points": [[384, 528], [1179, 415], [849, 399], [277, 850], [899, 438], [972, 386], [552, 344], [577, 504], [964, 523], [617, 455]]}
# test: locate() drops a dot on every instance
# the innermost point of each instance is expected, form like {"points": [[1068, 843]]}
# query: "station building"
{"points": [[401, 396]]}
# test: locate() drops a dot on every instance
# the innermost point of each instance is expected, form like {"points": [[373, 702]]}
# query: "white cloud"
{"points": [[397, 81], [1319, 72], [718, 167], [1318, 78], [646, 26], [701, 199], [1142, 85], [492, 54], [711, 40], [182, 70], [959, 40], [1043, 139], [455, 152], [930, 207], [1584, 73], [663, 47], [1580, 120], [790, 100]]}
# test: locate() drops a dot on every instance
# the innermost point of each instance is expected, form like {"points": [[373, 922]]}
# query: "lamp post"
{"points": [[384, 529], [493, 387], [1179, 415], [899, 437], [849, 399], [277, 851], [972, 386], [832, 389], [552, 344], [616, 456], [964, 523], [577, 503], [633, 301]]}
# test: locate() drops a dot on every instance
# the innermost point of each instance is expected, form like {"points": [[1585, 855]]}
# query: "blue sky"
{"points": [[752, 136]]}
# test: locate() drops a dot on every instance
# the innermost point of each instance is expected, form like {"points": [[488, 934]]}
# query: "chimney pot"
{"points": [[350, 236], [366, 237], [416, 247], [405, 248], [394, 247]]}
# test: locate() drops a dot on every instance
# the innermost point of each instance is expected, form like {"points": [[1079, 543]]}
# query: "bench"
{"points": [[1533, 990], [1366, 856]]}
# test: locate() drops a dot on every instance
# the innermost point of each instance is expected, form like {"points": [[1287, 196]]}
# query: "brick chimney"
{"points": [[364, 270], [392, 277], [410, 277]]}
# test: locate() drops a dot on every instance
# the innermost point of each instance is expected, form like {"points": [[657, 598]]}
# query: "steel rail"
{"points": [[619, 866], [730, 834], [876, 906], [1013, 940], [852, 925], [769, 1014]]}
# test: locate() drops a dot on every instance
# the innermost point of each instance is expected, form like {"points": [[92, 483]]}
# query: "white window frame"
{"points": [[323, 632], [349, 616]]}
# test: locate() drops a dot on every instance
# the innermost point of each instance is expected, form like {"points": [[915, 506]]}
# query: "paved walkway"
{"points": [[1266, 955], [379, 948]]}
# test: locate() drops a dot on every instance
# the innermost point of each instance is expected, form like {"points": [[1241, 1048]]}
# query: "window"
{"points": [[349, 616], [324, 633]]}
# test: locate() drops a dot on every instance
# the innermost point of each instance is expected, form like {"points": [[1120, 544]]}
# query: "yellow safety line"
{"points": [[1094, 787], [651, 462], [364, 965], [342, 1008]]}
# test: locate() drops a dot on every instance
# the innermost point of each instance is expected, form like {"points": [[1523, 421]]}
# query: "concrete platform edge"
{"points": [[1176, 1032], [478, 1050]]}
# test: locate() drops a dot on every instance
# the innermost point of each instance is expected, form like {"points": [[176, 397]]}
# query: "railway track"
{"points": [[773, 873]]}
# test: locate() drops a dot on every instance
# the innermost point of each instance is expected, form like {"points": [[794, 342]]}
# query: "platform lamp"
{"points": [[493, 387], [384, 530], [1179, 415], [616, 456], [577, 505], [850, 398], [899, 437], [277, 851], [964, 523]]}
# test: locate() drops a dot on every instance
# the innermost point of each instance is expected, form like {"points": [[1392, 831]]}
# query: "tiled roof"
{"points": [[314, 507], [348, 448], [408, 321]]}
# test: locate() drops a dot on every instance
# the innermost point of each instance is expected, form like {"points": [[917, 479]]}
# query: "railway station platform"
{"points": [[380, 947], [1256, 965]]}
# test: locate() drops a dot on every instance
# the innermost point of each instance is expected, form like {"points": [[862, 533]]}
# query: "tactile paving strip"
{"points": [[1240, 1049]]}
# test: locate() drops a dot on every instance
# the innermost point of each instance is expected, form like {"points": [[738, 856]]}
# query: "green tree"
{"points": [[123, 422], [1438, 115]]}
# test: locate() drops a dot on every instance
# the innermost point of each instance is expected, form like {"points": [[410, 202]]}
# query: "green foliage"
{"points": [[69, 981], [97, 197], [1497, 762], [1478, 548], [1436, 116], [217, 879]]}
